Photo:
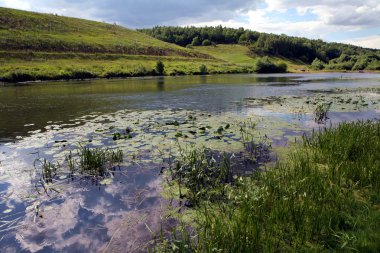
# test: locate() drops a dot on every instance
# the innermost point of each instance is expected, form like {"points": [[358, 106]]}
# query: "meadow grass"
{"points": [[30, 31], [19, 70], [241, 56], [324, 197]]}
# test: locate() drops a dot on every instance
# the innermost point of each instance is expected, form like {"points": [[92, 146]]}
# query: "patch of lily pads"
{"points": [[337, 100]]}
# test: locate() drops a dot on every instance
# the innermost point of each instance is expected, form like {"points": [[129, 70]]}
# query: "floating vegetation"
{"points": [[323, 197], [202, 171], [96, 163], [340, 101]]}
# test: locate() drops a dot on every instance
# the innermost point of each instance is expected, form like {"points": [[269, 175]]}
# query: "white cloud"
{"points": [[346, 13], [369, 42], [325, 19], [142, 13]]}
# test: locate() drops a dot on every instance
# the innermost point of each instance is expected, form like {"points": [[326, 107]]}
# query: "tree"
{"points": [[160, 68], [196, 41], [206, 43], [203, 69], [264, 65], [317, 64]]}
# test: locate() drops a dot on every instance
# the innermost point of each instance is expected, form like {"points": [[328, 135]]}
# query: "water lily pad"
{"points": [[106, 181]]}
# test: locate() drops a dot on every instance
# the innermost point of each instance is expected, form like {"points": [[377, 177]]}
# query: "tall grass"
{"points": [[323, 198], [96, 161]]}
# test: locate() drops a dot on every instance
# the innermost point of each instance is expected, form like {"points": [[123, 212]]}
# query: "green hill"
{"points": [[22, 30], [317, 53], [35, 46]]}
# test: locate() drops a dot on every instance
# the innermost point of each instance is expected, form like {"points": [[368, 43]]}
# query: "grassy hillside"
{"points": [[240, 55], [22, 30], [35, 46], [317, 53]]}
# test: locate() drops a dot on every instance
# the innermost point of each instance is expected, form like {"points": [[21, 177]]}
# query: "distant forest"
{"points": [[320, 54]]}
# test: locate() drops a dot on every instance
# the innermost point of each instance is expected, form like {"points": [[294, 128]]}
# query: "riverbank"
{"points": [[322, 197]]}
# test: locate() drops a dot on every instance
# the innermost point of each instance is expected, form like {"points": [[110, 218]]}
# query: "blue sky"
{"points": [[350, 21]]}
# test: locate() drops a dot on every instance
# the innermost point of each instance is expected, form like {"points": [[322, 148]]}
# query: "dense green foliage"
{"points": [[336, 55], [160, 68], [324, 197], [317, 64], [203, 69], [264, 65]]}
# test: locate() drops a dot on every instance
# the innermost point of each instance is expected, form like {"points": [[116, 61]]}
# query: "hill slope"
{"points": [[22, 30], [35, 46], [332, 56]]}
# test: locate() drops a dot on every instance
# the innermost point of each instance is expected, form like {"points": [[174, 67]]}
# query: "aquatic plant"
{"points": [[201, 171], [323, 197], [320, 113], [44, 173], [97, 161]]}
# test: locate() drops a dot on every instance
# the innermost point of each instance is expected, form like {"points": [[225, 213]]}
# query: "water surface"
{"points": [[85, 216]]}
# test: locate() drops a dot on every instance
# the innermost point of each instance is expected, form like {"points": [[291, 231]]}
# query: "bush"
{"points": [[206, 43], [360, 64], [374, 65], [203, 69], [160, 68], [264, 65], [17, 77], [196, 41], [317, 64]]}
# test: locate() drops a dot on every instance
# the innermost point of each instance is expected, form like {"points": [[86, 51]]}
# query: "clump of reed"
{"points": [[323, 197], [44, 173], [95, 162], [320, 113], [200, 173]]}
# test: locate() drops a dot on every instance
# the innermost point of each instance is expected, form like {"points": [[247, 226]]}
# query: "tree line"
{"points": [[322, 54]]}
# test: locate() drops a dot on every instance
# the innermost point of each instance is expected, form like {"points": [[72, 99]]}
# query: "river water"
{"points": [[47, 120]]}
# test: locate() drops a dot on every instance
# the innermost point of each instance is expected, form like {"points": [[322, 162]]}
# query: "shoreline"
{"points": [[6, 83]]}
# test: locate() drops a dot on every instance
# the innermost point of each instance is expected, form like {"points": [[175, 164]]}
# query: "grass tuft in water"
{"points": [[320, 113], [97, 161]]}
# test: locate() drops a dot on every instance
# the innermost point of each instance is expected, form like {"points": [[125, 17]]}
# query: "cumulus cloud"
{"points": [[325, 19], [142, 13], [369, 42], [335, 12]]}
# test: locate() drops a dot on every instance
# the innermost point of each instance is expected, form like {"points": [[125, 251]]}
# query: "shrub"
{"points": [[206, 43], [264, 65], [196, 41], [203, 69], [17, 77], [317, 64], [160, 68]]}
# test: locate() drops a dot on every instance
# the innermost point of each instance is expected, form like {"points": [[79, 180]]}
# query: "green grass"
{"points": [[324, 197], [29, 31], [35, 46], [240, 55], [16, 70], [236, 54]]}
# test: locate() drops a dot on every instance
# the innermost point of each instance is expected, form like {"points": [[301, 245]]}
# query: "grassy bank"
{"points": [[36, 46], [82, 66], [323, 197], [19, 66]]}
